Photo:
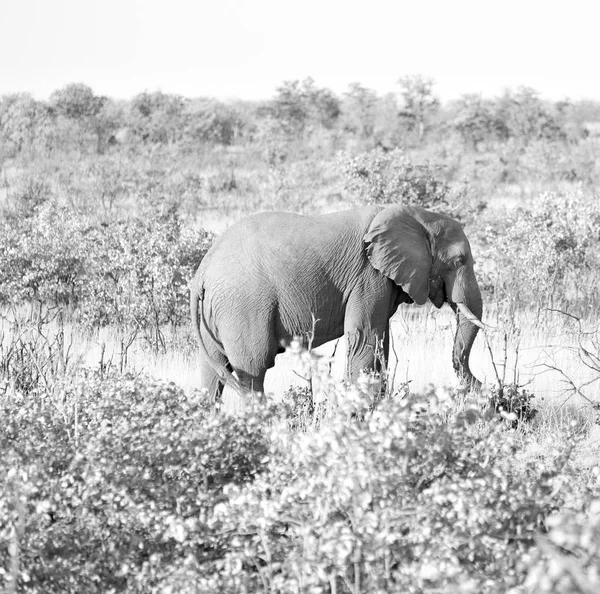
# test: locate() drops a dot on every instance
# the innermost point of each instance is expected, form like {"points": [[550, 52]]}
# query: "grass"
{"points": [[541, 354]]}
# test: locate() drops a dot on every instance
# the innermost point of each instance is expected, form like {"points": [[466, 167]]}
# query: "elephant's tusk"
{"points": [[470, 315]]}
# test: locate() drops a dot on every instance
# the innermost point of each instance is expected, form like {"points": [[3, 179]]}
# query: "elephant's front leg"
{"points": [[366, 327], [367, 350]]}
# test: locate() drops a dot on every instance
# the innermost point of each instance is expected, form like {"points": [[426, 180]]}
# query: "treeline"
{"points": [[74, 118]]}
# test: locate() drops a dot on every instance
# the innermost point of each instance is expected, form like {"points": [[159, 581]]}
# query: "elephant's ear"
{"points": [[398, 246]]}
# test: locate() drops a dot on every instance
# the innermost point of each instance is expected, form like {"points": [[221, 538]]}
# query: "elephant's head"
{"points": [[428, 255]]}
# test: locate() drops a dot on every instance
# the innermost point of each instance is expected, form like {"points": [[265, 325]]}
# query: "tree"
{"points": [[300, 105], [323, 105], [388, 130], [76, 101], [419, 102], [476, 120], [109, 120], [525, 117], [157, 117], [359, 110], [208, 120], [80, 111], [25, 124]]}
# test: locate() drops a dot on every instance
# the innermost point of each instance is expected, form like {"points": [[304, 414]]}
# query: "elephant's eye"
{"points": [[458, 261]]}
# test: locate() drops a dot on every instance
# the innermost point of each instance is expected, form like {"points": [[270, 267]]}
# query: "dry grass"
{"points": [[541, 353]]}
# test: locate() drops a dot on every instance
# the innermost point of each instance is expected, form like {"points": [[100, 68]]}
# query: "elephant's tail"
{"points": [[198, 320]]}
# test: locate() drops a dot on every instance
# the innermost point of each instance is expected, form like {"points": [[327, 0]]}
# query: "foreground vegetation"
{"points": [[115, 480]]}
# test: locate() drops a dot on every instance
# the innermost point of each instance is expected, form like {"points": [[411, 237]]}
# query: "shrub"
{"points": [[513, 403], [409, 500], [109, 486], [138, 273], [120, 483], [132, 272], [378, 177], [545, 254], [42, 256], [567, 558], [210, 121]]}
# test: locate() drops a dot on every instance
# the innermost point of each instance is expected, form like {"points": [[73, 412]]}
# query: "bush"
{"points": [[567, 559], [513, 403], [548, 252], [132, 272], [107, 487], [409, 500], [378, 177], [120, 483]]}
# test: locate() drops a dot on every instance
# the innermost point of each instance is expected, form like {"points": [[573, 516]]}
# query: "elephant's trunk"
{"points": [[466, 331]]}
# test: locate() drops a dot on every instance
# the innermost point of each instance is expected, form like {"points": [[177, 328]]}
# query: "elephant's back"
{"points": [[274, 230], [271, 245]]}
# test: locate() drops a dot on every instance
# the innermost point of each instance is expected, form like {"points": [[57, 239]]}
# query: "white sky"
{"points": [[246, 48]]}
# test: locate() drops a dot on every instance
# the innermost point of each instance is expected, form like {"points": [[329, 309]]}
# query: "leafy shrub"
{"points": [[42, 256], [547, 251], [139, 271], [557, 162], [115, 482], [122, 483], [410, 500], [132, 272], [513, 403], [567, 558], [378, 177]]}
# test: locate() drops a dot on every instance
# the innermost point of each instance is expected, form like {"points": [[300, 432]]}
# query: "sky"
{"points": [[246, 48]]}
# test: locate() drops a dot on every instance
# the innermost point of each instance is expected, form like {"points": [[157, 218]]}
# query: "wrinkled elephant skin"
{"points": [[268, 277]]}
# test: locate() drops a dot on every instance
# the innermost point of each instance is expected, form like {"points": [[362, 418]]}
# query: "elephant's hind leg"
{"points": [[213, 359], [250, 359], [251, 382], [211, 380]]}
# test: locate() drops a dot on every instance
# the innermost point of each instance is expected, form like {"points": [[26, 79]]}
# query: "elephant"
{"points": [[275, 276]]}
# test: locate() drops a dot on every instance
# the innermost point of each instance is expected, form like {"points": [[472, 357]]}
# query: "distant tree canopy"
{"points": [[520, 115], [74, 118], [76, 101], [359, 107], [299, 105], [419, 102], [210, 121], [25, 124], [79, 115], [156, 118]]}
